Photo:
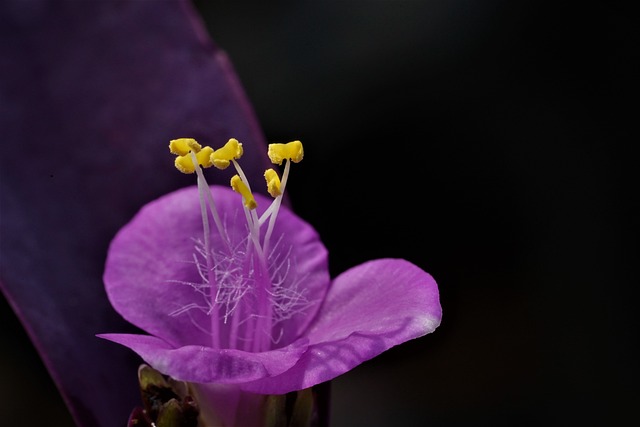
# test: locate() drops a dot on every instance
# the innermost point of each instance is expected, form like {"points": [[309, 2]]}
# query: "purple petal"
{"points": [[92, 92], [369, 309], [150, 265], [391, 299], [207, 365]]}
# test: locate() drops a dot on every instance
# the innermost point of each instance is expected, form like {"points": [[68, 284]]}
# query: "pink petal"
{"points": [[369, 309], [201, 364], [150, 264]]}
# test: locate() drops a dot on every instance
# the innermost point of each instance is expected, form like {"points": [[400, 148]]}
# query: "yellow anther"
{"points": [[291, 150], [273, 182], [185, 163], [204, 156], [240, 187], [182, 146], [222, 157]]}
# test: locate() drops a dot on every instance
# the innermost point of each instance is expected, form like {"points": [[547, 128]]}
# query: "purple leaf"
{"points": [[91, 94]]}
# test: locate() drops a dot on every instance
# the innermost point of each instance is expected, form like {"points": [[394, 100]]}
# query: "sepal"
{"points": [[166, 403]]}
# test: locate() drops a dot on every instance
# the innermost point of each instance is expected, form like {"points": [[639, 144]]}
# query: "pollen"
{"points": [[273, 182], [182, 146], [240, 187], [185, 163], [186, 149], [222, 157], [289, 151]]}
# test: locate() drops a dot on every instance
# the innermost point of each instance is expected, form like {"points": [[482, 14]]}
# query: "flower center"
{"points": [[245, 277]]}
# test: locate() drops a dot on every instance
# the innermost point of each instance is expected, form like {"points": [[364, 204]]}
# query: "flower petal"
{"points": [[369, 309], [150, 271], [201, 364], [392, 299]]}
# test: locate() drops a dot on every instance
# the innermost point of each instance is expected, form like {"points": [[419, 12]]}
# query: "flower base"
{"points": [[170, 403]]}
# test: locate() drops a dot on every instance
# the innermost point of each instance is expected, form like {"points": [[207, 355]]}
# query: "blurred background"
{"points": [[490, 143]]}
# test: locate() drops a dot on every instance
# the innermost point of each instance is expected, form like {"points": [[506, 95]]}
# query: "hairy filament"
{"points": [[203, 188]]}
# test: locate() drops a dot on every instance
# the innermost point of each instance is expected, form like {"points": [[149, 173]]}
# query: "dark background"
{"points": [[489, 143]]}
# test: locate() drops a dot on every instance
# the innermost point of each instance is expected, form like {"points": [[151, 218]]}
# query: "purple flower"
{"points": [[239, 294]]}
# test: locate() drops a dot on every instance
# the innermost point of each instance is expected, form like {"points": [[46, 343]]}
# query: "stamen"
{"points": [[289, 151], [252, 267], [222, 157], [240, 187], [276, 207], [251, 214], [273, 182], [295, 152], [191, 154]]}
